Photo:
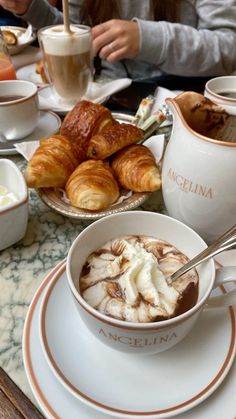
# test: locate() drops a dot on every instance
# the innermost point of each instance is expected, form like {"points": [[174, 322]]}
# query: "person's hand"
{"points": [[16, 6], [116, 39]]}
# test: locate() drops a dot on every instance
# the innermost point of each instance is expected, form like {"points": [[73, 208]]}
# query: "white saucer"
{"points": [[28, 73], [48, 99], [50, 395], [56, 402], [118, 384], [99, 92], [48, 124]]}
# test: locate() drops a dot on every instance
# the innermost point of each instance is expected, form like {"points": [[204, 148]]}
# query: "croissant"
{"points": [[52, 163], [92, 186], [9, 37], [85, 120], [135, 169], [113, 139], [39, 68]]}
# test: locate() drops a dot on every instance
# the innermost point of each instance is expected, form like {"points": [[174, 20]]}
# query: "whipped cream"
{"points": [[127, 279], [6, 197], [58, 42]]}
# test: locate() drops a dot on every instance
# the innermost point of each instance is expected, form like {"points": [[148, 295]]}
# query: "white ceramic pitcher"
{"points": [[199, 166]]}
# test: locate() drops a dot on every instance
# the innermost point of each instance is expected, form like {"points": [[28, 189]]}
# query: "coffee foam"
{"points": [[57, 42]]}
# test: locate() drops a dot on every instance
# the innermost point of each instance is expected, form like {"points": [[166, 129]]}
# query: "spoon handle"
{"points": [[226, 241]]}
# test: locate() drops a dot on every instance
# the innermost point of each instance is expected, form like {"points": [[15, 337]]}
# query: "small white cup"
{"points": [[219, 89], [19, 112], [144, 338]]}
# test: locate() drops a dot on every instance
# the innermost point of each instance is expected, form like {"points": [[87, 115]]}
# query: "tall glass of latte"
{"points": [[68, 60]]}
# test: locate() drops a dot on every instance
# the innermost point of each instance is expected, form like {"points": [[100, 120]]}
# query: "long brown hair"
{"points": [[94, 12]]}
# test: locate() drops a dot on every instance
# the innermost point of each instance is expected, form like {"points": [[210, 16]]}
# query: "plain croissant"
{"points": [[92, 186], [52, 163], [113, 139], [135, 169]]}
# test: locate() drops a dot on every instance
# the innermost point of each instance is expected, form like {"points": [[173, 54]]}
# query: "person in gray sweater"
{"points": [[200, 41]]}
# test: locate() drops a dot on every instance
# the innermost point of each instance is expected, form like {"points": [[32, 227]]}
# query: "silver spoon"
{"points": [[224, 242]]}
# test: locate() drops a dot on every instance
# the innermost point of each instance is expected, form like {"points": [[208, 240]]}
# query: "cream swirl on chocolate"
{"points": [[127, 279]]}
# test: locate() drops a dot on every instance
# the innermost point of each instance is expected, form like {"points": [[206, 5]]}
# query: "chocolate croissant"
{"points": [[135, 169], [85, 120], [52, 163], [92, 186], [113, 139]]}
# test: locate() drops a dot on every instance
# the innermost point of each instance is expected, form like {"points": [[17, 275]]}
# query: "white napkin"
{"points": [[97, 92], [27, 148], [29, 55], [227, 258], [160, 96], [26, 36], [154, 143]]}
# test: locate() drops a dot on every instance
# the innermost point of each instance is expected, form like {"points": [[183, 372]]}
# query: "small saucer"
{"points": [[47, 99], [28, 73], [98, 92], [123, 385], [48, 124]]}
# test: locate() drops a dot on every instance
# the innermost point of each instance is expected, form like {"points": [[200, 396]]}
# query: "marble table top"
{"points": [[23, 267]]}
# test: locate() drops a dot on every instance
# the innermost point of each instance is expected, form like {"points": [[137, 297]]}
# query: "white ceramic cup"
{"points": [[144, 338], [222, 91], [18, 117]]}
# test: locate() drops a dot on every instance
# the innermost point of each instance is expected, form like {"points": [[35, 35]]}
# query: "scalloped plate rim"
{"points": [[49, 197], [46, 195]]}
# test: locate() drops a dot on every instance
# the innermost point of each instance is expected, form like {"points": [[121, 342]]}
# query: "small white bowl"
{"points": [[218, 90], [13, 216], [22, 43]]}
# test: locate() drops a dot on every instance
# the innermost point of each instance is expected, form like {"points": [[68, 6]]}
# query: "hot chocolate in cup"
{"points": [[68, 60], [134, 335]]}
